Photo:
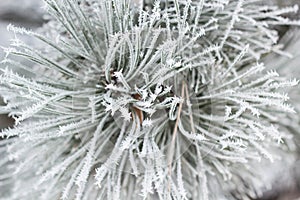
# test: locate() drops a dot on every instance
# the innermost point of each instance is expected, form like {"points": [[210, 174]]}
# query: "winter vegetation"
{"points": [[145, 99]]}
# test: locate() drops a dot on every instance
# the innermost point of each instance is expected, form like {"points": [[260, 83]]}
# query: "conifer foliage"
{"points": [[133, 99]]}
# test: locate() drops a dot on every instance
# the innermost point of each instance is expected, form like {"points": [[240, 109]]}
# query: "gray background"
{"points": [[25, 13]]}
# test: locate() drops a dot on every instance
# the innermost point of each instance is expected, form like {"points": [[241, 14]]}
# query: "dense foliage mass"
{"points": [[144, 100]]}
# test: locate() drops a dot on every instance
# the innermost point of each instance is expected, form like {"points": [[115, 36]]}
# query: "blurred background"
{"points": [[24, 13], [285, 177]]}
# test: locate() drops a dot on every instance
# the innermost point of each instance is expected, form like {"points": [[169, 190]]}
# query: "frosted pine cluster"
{"points": [[144, 100]]}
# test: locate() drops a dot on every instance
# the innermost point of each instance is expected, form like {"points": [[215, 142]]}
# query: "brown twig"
{"points": [[200, 165], [172, 147]]}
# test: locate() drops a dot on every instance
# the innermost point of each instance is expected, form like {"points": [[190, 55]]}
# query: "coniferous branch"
{"points": [[163, 100]]}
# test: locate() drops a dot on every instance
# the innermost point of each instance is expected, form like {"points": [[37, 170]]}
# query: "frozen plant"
{"points": [[144, 100]]}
